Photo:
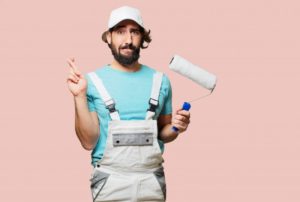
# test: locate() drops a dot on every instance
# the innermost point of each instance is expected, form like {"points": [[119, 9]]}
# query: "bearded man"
{"points": [[124, 115]]}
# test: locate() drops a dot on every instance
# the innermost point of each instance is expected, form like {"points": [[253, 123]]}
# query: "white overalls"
{"points": [[131, 168]]}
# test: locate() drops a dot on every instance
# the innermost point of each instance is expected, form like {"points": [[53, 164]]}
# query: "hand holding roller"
{"points": [[186, 106], [193, 72]]}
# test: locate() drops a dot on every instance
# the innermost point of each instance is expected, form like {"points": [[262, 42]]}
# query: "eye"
{"points": [[136, 32], [119, 31]]}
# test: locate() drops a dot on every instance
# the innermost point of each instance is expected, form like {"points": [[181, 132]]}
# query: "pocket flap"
{"points": [[132, 139]]}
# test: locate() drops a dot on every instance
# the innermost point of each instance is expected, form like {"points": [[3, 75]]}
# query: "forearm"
{"points": [[86, 129], [166, 134]]}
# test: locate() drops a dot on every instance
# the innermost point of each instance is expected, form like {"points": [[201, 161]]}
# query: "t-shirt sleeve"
{"points": [[89, 95], [167, 107]]}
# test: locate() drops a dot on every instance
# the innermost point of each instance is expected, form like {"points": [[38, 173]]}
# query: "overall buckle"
{"points": [[153, 104], [110, 105]]}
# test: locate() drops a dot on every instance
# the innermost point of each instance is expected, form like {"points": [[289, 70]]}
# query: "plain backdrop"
{"points": [[243, 142]]}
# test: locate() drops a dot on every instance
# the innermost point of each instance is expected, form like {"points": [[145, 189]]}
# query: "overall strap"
{"points": [[153, 101], [107, 99]]}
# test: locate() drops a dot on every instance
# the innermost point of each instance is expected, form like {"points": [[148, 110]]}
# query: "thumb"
{"points": [[77, 72], [81, 76], [177, 110]]}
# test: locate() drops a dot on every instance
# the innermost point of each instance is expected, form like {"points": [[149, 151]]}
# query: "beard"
{"points": [[125, 60]]}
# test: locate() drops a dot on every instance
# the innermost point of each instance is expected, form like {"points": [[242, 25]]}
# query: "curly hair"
{"points": [[145, 37]]}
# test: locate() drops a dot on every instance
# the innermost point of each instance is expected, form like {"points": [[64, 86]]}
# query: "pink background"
{"points": [[243, 143]]}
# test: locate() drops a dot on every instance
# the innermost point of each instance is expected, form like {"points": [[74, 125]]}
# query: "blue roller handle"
{"points": [[186, 106]]}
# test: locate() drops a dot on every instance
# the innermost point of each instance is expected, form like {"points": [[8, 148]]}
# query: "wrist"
{"points": [[80, 97]]}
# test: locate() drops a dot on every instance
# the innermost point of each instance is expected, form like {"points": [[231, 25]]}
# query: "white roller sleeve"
{"points": [[193, 72]]}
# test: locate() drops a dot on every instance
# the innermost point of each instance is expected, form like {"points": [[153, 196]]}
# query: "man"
{"points": [[124, 115]]}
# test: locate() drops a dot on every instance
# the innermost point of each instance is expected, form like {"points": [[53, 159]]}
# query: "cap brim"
{"points": [[105, 33], [121, 20]]}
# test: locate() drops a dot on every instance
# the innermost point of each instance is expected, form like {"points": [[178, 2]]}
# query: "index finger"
{"points": [[72, 64], [184, 113]]}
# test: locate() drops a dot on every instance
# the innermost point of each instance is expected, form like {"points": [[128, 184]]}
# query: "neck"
{"points": [[130, 68]]}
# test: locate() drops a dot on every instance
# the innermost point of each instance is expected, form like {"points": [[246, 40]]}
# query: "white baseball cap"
{"points": [[125, 13]]}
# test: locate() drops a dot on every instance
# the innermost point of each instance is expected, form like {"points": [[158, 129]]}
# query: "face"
{"points": [[125, 42]]}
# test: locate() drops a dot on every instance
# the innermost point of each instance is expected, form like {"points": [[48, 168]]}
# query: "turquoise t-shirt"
{"points": [[131, 92]]}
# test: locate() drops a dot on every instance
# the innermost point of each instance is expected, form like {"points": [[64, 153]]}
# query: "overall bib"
{"points": [[131, 167]]}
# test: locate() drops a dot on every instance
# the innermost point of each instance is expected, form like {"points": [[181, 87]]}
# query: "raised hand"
{"points": [[76, 82]]}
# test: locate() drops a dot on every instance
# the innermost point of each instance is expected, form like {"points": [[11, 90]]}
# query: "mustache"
{"points": [[128, 46]]}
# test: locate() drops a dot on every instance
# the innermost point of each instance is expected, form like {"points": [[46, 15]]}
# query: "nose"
{"points": [[128, 39]]}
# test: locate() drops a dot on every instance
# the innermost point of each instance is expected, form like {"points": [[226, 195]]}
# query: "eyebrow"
{"points": [[122, 26]]}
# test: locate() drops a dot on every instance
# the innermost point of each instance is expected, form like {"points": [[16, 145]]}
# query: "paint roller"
{"points": [[196, 74]]}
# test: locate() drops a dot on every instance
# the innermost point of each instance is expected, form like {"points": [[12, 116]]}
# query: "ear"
{"points": [[108, 37]]}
